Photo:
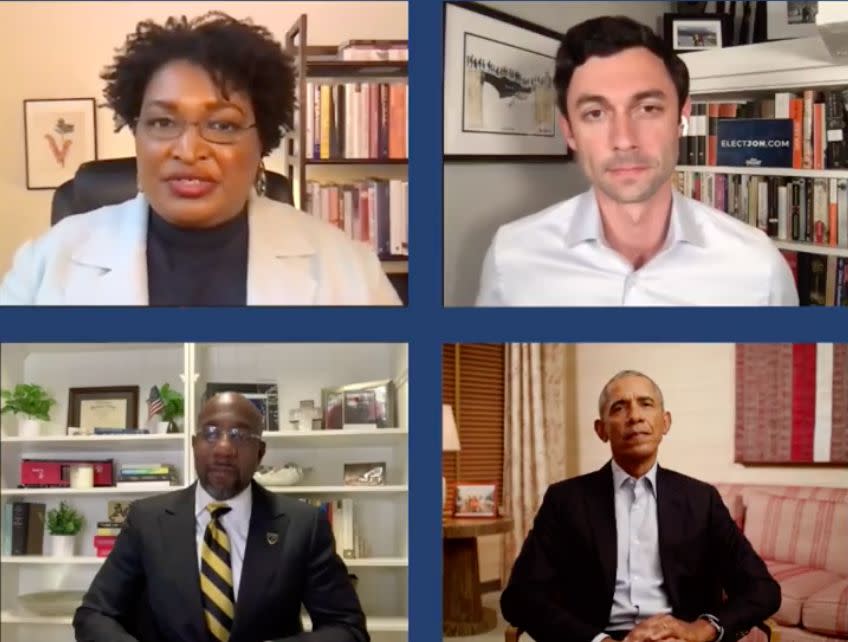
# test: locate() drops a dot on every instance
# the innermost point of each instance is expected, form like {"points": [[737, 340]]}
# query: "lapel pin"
{"points": [[272, 538]]}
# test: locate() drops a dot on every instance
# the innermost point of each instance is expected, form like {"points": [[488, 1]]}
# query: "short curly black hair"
{"points": [[238, 55]]}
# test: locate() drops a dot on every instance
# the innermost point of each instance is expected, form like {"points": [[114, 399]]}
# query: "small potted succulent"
{"points": [[63, 524], [172, 408], [32, 402]]}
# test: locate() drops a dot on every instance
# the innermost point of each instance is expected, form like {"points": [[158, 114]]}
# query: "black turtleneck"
{"points": [[197, 267]]}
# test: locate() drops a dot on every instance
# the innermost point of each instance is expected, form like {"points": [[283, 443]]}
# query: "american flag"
{"points": [[154, 403]]}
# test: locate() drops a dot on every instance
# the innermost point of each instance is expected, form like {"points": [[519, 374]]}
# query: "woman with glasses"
{"points": [[206, 100]]}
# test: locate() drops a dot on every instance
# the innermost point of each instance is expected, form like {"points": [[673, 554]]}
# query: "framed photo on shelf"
{"points": [[476, 500], [702, 32], [103, 407], [264, 396], [791, 20], [500, 100], [371, 404], [59, 135], [370, 474]]}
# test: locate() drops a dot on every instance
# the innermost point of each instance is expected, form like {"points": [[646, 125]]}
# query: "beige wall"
{"points": [[57, 49], [698, 384]]}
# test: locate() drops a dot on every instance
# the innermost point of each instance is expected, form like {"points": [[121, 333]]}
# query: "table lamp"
{"points": [[450, 441]]}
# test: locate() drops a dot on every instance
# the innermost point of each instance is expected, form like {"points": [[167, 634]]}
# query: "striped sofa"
{"points": [[801, 532]]}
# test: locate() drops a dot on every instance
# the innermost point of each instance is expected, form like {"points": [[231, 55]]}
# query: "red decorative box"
{"points": [[56, 473]]}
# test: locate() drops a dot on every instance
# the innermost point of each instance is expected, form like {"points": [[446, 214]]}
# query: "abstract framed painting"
{"points": [[499, 94], [59, 135]]}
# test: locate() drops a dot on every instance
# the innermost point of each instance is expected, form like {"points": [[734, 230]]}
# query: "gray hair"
{"points": [[604, 398]]}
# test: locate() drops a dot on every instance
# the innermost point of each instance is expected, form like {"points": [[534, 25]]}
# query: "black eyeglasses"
{"points": [[220, 131], [237, 436]]}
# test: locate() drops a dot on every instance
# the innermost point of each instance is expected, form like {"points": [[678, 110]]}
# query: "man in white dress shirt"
{"points": [[629, 240], [635, 551]]}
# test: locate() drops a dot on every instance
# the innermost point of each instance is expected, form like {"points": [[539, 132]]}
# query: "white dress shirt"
{"points": [[236, 523], [639, 583], [559, 257]]}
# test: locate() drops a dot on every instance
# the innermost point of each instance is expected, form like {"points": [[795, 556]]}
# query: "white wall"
{"points": [[698, 382], [57, 50], [480, 197]]}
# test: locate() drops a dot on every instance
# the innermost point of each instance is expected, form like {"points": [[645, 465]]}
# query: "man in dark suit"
{"points": [[633, 551], [223, 560]]}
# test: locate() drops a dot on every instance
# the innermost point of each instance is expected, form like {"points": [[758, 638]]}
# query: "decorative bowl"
{"points": [[52, 603]]}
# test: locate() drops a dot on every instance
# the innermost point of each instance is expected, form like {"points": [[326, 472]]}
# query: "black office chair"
{"points": [[107, 182]]}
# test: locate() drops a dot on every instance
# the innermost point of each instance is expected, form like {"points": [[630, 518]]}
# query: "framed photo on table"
{"points": [[59, 135], [499, 95], [104, 407], [476, 500]]}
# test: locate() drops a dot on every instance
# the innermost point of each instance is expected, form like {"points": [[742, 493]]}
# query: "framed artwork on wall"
{"points": [[59, 135], [499, 95]]}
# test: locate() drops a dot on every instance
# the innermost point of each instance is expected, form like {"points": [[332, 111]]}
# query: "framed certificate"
{"points": [[106, 407]]}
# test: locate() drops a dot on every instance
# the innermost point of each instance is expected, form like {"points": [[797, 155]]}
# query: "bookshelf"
{"points": [[319, 64], [758, 71], [381, 511]]}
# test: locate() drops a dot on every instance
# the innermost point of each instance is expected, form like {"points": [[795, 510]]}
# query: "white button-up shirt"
{"points": [[236, 523], [639, 583], [559, 257]]}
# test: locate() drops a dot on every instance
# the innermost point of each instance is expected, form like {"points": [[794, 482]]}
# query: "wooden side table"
{"points": [[462, 606]]}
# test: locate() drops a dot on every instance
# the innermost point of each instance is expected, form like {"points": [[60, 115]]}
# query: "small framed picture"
{"points": [[60, 134], [698, 33], [791, 19], [370, 474], [476, 500], [264, 396], [103, 407]]}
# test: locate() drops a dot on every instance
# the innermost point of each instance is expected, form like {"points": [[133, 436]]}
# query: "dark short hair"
{"points": [[238, 55], [606, 36]]}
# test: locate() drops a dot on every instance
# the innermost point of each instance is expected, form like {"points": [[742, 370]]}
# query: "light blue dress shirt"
{"points": [[559, 257], [639, 583]]}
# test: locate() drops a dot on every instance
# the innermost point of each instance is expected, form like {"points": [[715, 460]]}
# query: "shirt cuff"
{"points": [[599, 637]]}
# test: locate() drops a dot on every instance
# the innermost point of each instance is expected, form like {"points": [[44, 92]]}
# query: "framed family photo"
{"points": [[476, 500], [500, 100], [59, 135], [698, 32]]}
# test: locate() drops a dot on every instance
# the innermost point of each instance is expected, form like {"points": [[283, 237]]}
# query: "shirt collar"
{"points": [[619, 476], [241, 504], [586, 222]]}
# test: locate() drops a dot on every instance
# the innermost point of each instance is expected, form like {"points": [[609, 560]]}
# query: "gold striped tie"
{"points": [[216, 576]]}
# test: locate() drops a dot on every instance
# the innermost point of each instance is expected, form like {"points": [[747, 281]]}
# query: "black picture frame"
{"points": [[35, 111], [448, 76], [723, 23], [130, 394]]}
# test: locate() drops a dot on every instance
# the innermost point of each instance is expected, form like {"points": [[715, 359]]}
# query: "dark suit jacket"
{"points": [[562, 583], [149, 588]]}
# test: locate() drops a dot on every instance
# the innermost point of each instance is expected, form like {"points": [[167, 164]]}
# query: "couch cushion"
{"points": [[797, 583], [808, 532], [826, 611], [793, 634]]}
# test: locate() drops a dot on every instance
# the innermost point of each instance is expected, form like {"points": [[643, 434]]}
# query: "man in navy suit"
{"points": [[280, 551], [634, 551]]}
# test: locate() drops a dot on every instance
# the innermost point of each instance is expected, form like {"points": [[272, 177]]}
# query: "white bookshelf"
{"points": [[300, 371], [758, 71]]}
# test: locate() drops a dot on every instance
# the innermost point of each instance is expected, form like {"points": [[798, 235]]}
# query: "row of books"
{"points": [[23, 528], [105, 536], [821, 280], [818, 127], [357, 120], [813, 210], [340, 514], [374, 211], [147, 476]]}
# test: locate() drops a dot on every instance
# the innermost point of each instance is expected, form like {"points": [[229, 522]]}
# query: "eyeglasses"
{"points": [[237, 436], [214, 130]]}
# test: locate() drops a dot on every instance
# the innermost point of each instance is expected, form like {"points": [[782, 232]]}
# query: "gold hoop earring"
{"points": [[261, 184]]}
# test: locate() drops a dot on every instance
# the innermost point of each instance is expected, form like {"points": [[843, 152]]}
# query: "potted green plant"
{"points": [[63, 524], [173, 407], [32, 402]]}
